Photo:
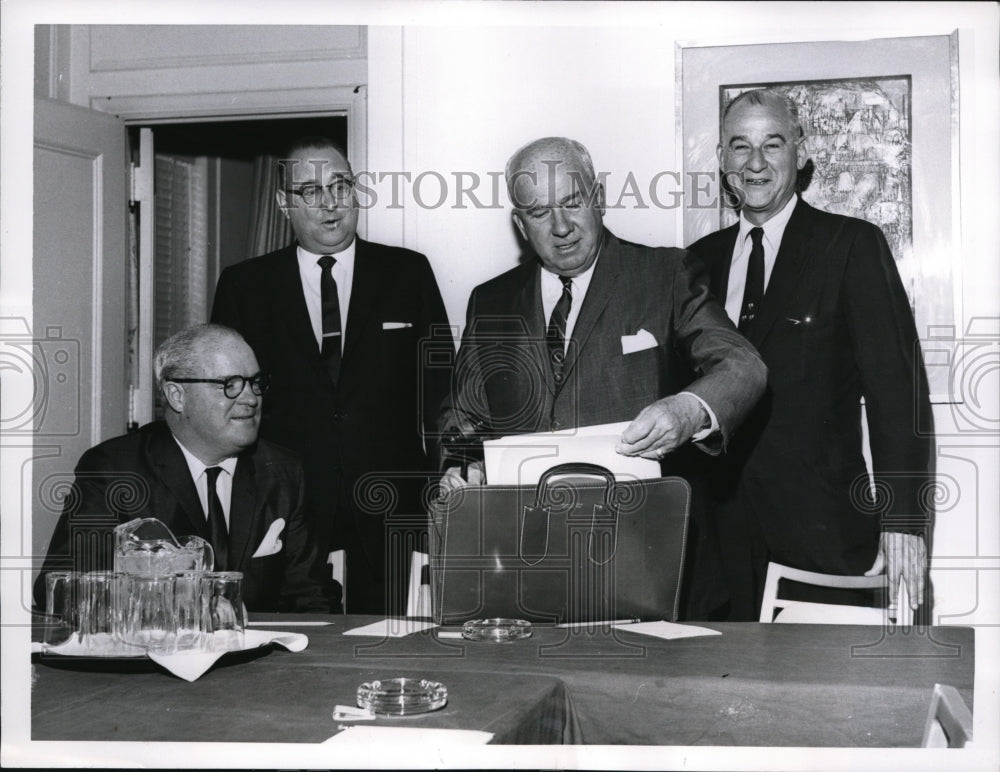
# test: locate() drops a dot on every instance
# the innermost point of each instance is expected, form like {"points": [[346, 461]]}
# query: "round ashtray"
{"points": [[402, 696], [496, 630]]}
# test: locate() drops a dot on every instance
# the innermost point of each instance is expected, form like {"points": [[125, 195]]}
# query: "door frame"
{"points": [[149, 111]]}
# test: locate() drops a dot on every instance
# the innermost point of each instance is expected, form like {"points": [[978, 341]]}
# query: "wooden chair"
{"points": [[418, 596], [418, 593], [338, 567], [827, 613], [949, 721]]}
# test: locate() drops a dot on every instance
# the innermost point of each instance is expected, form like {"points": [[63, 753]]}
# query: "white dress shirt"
{"points": [[223, 483], [552, 288], [774, 229], [343, 274]]}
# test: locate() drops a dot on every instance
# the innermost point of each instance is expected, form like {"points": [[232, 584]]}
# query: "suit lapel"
{"points": [[288, 290], [788, 267], [290, 296], [721, 262], [602, 287], [165, 456], [365, 287], [528, 307], [242, 512]]}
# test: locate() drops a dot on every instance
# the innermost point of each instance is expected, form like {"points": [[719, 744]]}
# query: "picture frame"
{"points": [[888, 113]]}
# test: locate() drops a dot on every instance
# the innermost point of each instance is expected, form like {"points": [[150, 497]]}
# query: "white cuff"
{"points": [[714, 425]]}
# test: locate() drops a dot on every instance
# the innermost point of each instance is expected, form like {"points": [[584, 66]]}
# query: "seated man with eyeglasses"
{"points": [[201, 471]]}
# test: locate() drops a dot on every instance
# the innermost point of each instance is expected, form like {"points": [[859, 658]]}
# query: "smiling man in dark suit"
{"points": [[347, 329], [203, 472], [820, 297], [597, 330]]}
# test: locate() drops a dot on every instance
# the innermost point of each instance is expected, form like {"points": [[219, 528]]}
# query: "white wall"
{"points": [[462, 98]]}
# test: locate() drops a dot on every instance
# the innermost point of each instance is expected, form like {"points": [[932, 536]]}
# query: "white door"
{"points": [[80, 297]]}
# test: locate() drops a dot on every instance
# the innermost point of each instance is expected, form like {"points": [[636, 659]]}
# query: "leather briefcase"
{"points": [[569, 549]]}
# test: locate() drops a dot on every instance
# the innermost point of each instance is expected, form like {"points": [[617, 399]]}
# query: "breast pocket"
{"points": [[795, 345], [640, 379]]}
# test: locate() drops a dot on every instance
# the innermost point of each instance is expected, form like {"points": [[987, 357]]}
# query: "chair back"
{"points": [[774, 608], [949, 721]]}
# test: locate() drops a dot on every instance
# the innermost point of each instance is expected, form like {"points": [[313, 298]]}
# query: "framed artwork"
{"points": [[881, 124]]}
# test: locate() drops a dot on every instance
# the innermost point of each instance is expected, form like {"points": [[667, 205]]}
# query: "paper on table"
{"points": [[351, 713], [410, 736], [667, 630], [521, 459], [392, 627]]}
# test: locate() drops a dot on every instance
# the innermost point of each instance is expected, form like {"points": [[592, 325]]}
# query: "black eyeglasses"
{"points": [[340, 190], [232, 386]]}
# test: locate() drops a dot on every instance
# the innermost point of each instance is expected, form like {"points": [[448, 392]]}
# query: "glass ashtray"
{"points": [[402, 696], [496, 630]]}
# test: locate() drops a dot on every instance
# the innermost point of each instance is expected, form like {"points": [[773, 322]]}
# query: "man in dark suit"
{"points": [[348, 330], [834, 326], [202, 471], [596, 330]]}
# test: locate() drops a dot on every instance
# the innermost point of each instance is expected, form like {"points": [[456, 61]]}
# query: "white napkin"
{"points": [[191, 665], [667, 630], [392, 627], [410, 736]]}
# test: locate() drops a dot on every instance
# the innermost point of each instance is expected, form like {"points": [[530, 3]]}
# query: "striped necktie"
{"points": [[555, 335]]}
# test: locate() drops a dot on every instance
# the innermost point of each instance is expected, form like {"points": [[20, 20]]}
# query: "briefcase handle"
{"points": [[535, 518], [575, 468]]}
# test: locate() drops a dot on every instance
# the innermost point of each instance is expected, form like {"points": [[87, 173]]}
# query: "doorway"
{"points": [[212, 206]]}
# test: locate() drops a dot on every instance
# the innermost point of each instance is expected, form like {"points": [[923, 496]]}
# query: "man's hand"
{"points": [[663, 426], [452, 479], [902, 554]]}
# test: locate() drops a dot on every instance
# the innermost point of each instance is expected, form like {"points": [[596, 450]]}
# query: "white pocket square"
{"points": [[638, 342], [271, 545], [396, 325]]}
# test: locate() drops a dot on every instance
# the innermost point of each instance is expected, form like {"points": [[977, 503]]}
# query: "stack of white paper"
{"points": [[523, 458]]}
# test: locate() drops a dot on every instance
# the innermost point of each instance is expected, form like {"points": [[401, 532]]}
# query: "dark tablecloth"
{"points": [[754, 685]]}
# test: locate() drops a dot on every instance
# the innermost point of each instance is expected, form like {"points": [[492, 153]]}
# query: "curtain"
{"points": [[180, 257], [269, 229]]}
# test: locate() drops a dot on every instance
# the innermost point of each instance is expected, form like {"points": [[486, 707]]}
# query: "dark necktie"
{"points": [[555, 335], [330, 350], [217, 520], [753, 292]]}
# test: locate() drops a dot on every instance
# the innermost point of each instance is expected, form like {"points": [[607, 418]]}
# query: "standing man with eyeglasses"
{"points": [[202, 472], [349, 331]]}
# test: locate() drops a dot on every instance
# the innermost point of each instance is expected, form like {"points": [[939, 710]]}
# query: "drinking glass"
{"points": [[223, 615], [149, 612], [98, 606], [61, 611], [188, 610]]}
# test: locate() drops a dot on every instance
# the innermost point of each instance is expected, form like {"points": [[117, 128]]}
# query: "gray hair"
{"points": [[763, 96], [555, 146], [179, 356]]}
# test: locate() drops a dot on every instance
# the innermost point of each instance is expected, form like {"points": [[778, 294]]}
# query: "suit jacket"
{"points": [[504, 383], [834, 326], [144, 474], [375, 427]]}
